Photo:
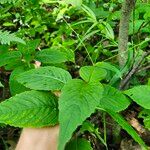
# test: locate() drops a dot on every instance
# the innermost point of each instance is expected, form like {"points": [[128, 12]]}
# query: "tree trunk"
{"points": [[127, 8]]}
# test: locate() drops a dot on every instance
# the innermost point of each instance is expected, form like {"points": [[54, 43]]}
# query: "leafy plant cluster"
{"points": [[63, 61]]}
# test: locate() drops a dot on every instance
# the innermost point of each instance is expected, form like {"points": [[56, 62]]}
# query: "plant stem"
{"points": [[105, 132], [80, 41]]}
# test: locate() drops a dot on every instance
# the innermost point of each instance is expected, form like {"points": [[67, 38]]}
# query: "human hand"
{"points": [[39, 139]]}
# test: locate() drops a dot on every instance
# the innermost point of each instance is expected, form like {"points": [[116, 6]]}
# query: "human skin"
{"points": [[39, 139]]}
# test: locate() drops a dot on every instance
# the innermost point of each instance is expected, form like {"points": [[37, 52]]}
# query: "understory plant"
{"points": [[44, 89]]}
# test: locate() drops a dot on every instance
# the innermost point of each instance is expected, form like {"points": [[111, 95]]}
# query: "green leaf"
{"points": [[7, 1], [92, 73], [107, 30], [141, 95], [109, 67], [76, 3], [87, 36], [113, 99], [13, 65], [149, 81], [7, 37], [9, 57], [90, 13], [79, 144], [88, 126], [44, 78], [78, 101], [126, 126], [61, 13], [4, 49], [15, 86], [145, 114], [30, 109], [1, 85], [54, 55], [29, 49], [137, 26], [112, 68], [8, 24]]}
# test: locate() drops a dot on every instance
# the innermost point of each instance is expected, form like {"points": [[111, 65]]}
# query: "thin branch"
{"points": [[133, 70], [144, 68]]}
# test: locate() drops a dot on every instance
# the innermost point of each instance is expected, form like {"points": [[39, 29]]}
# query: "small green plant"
{"points": [[38, 107], [39, 73]]}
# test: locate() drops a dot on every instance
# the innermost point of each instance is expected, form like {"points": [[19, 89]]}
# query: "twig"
{"points": [[144, 68], [133, 71]]}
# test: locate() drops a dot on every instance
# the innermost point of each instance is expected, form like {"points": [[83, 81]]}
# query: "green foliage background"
{"points": [[71, 48]]}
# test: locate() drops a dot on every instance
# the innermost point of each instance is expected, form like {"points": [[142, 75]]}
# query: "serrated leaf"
{"points": [[78, 101], [14, 85], [7, 37], [54, 55], [92, 73], [125, 125], [79, 144], [1, 85], [44, 78], [30, 109], [9, 57], [141, 95], [113, 99], [13, 65], [29, 49], [30, 46]]}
